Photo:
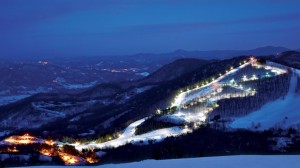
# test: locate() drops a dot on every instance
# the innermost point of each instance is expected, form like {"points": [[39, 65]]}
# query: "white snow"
{"points": [[159, 134], [130, 130], [128, 136], [122, 140], [189, 116], [143, 74], [279, 113], [242, 161]]}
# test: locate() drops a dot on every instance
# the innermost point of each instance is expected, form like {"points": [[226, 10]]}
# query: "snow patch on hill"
{"points": [[79, 86], [61, 81], [144, 74]]}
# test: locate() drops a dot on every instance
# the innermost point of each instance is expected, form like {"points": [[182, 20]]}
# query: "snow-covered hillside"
{"points": [[208, 94], [282, 113], [128, 136], [250, 161]]}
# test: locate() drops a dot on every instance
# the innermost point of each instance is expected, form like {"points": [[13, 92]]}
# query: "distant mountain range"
{"points": [[216, 54], [158, 57]]}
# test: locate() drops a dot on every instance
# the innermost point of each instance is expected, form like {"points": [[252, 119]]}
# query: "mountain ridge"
{"points": [[217, 54]]}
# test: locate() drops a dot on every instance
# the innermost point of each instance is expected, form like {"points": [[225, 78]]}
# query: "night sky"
{"points": [[109, 27]]}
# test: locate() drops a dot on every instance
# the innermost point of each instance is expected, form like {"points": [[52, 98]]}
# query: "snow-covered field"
{"points": [[243, 161]]}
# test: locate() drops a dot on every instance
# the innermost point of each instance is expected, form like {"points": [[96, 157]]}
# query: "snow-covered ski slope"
{"points": [[281, 113], [212, 92], [195, 118], [128, 136], [243, 161], [187, 96]]}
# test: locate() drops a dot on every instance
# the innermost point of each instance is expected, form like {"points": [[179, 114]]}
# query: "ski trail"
{"points": [[281, 112]]}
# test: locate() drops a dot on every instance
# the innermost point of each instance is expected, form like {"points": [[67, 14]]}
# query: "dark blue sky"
{"points": [[108, 27]]}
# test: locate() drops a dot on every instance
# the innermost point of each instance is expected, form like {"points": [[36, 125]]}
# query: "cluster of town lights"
{"points": [[24, 139], [69, 159], [27, 139]]}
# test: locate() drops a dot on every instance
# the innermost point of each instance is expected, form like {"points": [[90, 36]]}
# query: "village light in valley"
{"points": [[46, 152], [24, 139], [69, 159], [12, 150], [50, 142], [91, 160]]}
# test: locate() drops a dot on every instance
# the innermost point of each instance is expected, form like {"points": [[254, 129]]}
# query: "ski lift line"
{"points": [[180, 98]]}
